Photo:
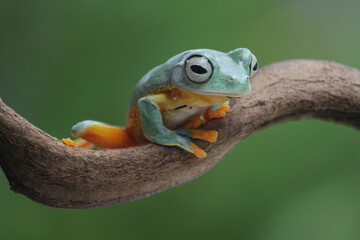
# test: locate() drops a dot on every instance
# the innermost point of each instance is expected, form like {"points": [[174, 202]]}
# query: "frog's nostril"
{"points": [[231, 79]]}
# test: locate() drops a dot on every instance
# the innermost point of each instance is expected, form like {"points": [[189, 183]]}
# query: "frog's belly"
{"points": [[174, 119]]}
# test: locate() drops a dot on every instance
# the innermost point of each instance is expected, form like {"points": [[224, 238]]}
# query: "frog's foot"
{"points": [[69, 142], [217, 111], [187, 134], [181, 139], [77, 143]]}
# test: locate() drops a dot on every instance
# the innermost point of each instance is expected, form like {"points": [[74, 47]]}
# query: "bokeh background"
{"points": [[67, 61]]}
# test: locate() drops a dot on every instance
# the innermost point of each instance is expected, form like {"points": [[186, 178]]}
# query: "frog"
{"points": [[171, 102]]}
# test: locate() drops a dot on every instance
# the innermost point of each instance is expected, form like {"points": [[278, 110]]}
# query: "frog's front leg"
{"points": [[155, 131]]}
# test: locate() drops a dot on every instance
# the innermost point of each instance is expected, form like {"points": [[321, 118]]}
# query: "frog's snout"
{"points": [[232, 79]]}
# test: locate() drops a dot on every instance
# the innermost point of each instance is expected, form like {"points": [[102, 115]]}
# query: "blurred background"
{"points": [[67, 61]]}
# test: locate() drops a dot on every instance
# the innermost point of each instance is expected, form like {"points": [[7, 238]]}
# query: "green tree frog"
{"points": [[172, 100]]}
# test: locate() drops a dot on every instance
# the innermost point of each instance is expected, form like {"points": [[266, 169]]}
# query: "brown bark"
{"points": [[45, 170]]}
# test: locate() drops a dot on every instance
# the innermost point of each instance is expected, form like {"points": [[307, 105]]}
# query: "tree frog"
{"points": [[172, 100]]}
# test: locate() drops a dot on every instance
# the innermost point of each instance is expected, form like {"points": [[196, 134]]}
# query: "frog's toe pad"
{"points": [[198, 152]]}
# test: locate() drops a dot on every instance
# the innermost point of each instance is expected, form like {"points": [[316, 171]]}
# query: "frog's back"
{"points": [[156, 79]]}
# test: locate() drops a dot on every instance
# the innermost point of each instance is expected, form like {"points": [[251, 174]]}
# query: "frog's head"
{"points": [[211, 72]]}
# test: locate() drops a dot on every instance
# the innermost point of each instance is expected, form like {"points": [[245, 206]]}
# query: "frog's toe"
{"points": [[198, 152], [69, 142], [218, 113], [224, 108], [77, 143], [207, 135]]}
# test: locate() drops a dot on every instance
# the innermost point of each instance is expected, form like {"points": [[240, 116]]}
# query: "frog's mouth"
{"points": [[219, 93]]}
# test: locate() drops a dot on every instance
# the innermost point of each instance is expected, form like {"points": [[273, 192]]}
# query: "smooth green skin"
{"points": [[231, 78]]}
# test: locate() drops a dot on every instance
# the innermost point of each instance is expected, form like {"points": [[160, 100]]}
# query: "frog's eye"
{"points": [[198, 69], [253, 65]]}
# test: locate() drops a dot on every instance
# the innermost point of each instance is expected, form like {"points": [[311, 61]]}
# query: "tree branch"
{"points": [[45, 170]]}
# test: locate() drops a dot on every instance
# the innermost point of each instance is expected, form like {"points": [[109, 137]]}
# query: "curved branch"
{"points": [[45, 170]]}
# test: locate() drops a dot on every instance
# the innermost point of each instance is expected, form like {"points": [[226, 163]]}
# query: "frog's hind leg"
{"points": [[101, 135], [195, 123]]}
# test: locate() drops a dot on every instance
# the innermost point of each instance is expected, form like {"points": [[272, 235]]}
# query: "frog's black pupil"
{"points": [[198, 69], [255, 67]]}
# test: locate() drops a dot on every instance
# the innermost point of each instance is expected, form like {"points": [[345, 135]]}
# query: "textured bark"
{"points": [[45, 170]]}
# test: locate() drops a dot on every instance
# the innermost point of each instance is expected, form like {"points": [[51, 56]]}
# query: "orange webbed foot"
{"points": [[77, 143], [69, 142]]}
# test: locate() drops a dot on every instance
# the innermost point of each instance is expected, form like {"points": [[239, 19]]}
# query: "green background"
{"points": [[67, 61]]}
